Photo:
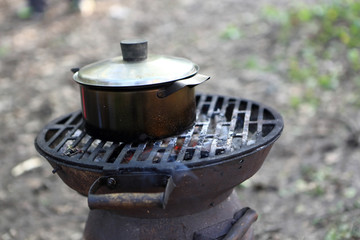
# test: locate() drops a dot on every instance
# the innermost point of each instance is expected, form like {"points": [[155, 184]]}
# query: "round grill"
{"points": [[225, 127]]}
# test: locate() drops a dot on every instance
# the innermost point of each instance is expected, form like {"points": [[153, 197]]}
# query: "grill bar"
{"points": [[224, 127]]}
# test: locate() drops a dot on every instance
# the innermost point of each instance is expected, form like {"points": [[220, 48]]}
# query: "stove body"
{"points": [[180, 187], [213, 223]]}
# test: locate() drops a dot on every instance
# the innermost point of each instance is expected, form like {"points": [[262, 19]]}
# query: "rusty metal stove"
{"points": [[181, 187]]}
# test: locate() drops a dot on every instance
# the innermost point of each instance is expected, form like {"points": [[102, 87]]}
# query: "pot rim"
{"points": [[130, 84], [135, 68]]}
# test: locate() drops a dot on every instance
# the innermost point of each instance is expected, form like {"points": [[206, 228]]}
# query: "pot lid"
{"points": [[134, 68]]}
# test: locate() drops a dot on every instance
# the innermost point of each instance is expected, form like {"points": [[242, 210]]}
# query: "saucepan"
{"points": [[136, 97]]}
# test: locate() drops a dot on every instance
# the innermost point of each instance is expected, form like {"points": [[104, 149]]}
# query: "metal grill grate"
{"points": [[224, 127]]}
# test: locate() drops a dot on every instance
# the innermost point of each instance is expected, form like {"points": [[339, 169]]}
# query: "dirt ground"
{"points": [[308, 187]]}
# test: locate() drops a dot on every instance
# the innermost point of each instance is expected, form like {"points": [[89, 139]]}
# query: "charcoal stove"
{"points": [[180, 187]]}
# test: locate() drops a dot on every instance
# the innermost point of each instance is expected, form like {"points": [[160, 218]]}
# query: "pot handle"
{"points": [[176, 86], [125, 200], [74, 70]]}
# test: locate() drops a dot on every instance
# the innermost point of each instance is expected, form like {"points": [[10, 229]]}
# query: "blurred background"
{"points": [[301, 59]]}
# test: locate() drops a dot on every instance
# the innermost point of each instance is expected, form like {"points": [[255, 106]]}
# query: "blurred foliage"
{"points": [[328, 50], [343, 231], [231, 32], [25, 13], [339, 221], [4, 51], [314, 181], [252, 63]]}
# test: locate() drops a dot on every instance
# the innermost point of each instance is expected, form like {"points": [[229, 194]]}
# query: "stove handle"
{"points": [[239, 227], [126, 200]]}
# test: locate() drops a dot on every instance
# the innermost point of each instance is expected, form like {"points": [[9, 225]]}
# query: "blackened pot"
{"points": [[134, 98], [137, 115]]}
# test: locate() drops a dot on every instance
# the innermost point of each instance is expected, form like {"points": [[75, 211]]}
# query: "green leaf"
{"points": [[350, 192], [252, 63], [353, 56], [231, 32], [295, 102], [25, 13], [276, 15], [305, 15]]}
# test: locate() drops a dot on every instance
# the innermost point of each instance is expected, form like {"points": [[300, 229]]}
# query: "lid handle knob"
{"points": [[134, 50]]}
